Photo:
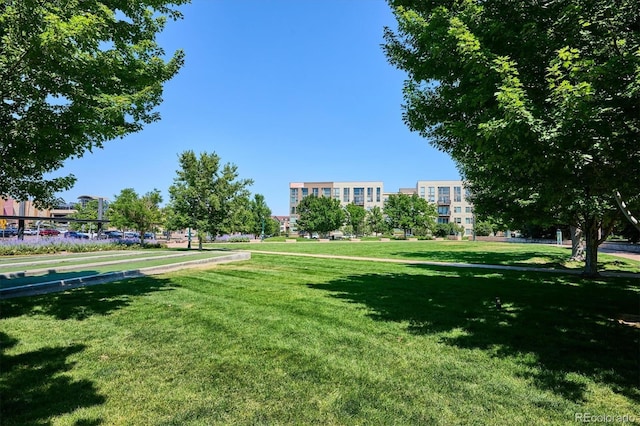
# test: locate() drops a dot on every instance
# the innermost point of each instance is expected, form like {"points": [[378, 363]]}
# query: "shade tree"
{"points": [[75, 74], [538, 103]]}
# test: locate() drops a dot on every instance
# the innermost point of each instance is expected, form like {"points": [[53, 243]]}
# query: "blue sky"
{"points": [[289, 91]]}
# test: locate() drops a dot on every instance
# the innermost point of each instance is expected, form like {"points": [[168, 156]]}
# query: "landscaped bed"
{"points": [[322, 341]]}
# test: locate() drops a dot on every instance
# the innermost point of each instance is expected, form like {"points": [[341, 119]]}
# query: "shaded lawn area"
{"points": [[490, 253], [303, 340]]}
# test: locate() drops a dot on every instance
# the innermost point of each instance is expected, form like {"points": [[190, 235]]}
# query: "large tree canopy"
{"points": [[537, 102], [75, 74]]}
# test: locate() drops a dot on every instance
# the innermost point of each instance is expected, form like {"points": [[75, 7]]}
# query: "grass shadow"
{"points": [[530, 258], [83, 302], [551, 325], [45, 389]]}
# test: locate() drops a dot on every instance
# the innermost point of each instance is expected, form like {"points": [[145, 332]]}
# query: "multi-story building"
{"points": [[451, 200], [285, 227], [450, 197], [366, 194]]}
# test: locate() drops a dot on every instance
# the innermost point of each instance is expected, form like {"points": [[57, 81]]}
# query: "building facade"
{"points": [[451, 200], [449, 197]]}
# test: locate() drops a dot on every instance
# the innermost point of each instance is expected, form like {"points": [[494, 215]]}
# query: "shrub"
{"points": [[14, 247]]}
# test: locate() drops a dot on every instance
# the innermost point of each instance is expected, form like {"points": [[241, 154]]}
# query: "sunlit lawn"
{"points": [[293, 340], [512, 254]]}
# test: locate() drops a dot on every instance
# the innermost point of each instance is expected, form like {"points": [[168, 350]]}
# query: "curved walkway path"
{"points": [[453, 264]]}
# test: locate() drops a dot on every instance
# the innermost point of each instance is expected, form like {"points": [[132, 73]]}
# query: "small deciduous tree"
{"points": [[406, 212], [261, 216], [319, 214], [207, 195], [88, 211], [375, 220], [129, 210], [355, 217]]}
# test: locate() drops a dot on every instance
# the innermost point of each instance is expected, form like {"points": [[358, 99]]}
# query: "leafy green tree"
{"points": [[130, 211], [355, 217], [75, 74], [375, 220], [483, 228], [443, 230], [406, 212], [207, 195], [319, 214], [538, 103], [261, 216], [88, 211]]}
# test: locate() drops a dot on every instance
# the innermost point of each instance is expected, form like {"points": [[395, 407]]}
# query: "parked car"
{"points": [[49, 232], [113, 234], [30, 232], [75, 234], [9, 232]]}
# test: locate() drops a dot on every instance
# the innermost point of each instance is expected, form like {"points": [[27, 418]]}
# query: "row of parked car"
{"points": [[12, 232], [51, 232]]}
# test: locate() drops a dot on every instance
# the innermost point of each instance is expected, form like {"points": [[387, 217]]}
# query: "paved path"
{"points": [[451, 264]]}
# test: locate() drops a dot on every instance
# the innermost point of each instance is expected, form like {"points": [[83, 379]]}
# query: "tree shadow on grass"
{"points": [[551, 325], [34, 385], [83, 302], [531, 258]]}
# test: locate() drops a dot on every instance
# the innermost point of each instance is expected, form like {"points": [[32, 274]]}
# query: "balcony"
{"points": [[444, 201]]}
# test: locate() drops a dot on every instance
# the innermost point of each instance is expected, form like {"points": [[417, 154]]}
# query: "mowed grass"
{"points": [[476, 252], [286, 340]]}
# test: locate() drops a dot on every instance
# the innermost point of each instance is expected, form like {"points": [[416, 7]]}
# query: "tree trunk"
{"points": [[199, 242], [592, 242], [577, 251]]}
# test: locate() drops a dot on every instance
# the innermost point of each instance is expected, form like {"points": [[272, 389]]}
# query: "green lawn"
{"points": [[296, 340], [532, 255]]}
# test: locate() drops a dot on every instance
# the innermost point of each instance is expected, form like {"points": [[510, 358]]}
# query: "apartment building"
{"points": [[451, 200], [450, 197], [366, 194]]}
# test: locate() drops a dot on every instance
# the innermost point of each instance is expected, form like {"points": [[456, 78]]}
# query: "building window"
{"points": [[378, 191], [294, 195], [457, 209], [468, 210], [314, 191], [467, 194], [346, 195], [305, 192], [457, 194], [326, 192], [458, 220], [432, 194], [467, 220], [336, 193], [444, 194], [443, 220], [444, 210], [293, 209], [369, 195], [358, 196], [468, 231], [422, 192]]}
